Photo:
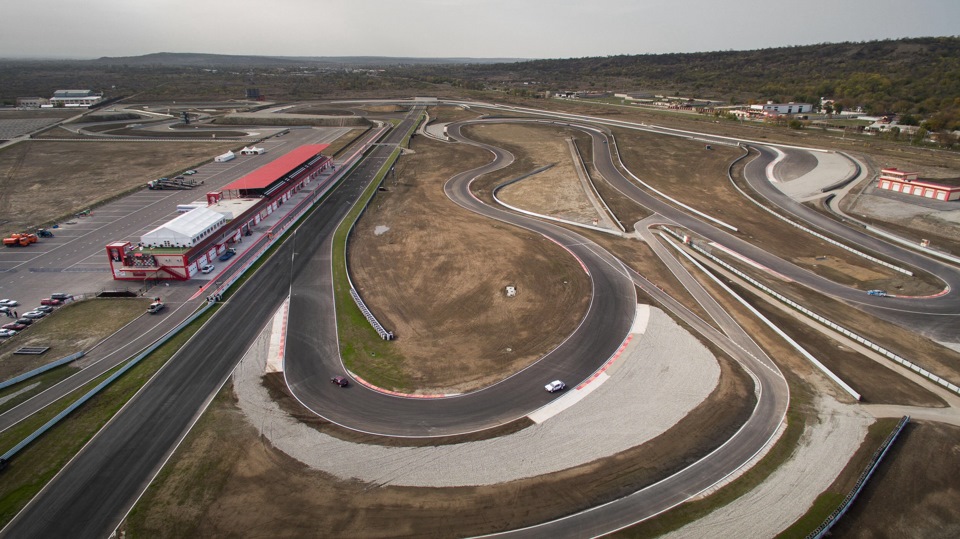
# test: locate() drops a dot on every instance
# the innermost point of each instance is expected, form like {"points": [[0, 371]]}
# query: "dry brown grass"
{"points": [[437, 278]]}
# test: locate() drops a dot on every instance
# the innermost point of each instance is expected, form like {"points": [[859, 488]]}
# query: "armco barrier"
{"points": [[377, 326], [878, 455], [796, 346], [41, 370], [93, 392], [822, 320]]}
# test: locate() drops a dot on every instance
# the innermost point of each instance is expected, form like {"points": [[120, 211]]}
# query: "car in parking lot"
{"points": [[34, 314], [9, 303], [62, 296], [5, 333], [14, 326], [24, 321], [190, 172], [206, 268], [340, 381], [555, 386], [5, 310], [44, 309], [50, 301]]}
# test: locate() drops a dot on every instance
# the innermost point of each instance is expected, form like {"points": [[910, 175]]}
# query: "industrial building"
{"points": [[772, 109], [909, 183], [179, 248], [75, 98]]}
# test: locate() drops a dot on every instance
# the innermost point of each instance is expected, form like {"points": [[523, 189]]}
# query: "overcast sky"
{"points": [[455, 28]]}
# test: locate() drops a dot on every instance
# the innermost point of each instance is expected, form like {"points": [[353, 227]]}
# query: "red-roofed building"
{"points": [[909, 183], [243, 204]]}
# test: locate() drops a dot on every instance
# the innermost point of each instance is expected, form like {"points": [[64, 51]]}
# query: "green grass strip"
{"points": [[38, 462]]}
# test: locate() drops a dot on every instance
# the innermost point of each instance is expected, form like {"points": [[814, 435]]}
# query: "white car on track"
{"points": [[555, 386]]}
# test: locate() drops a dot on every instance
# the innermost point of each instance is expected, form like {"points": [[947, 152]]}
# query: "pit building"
{"points": [[180, 247]]}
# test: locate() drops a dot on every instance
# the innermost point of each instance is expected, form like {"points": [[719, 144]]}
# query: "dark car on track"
{"points": [[340, 381]]}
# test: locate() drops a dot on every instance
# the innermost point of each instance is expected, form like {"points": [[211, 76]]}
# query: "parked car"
{"points": [[34, 314], [14, 326], [206, 268], [9, 303], [555, 386], [25, 321], [50, 301], [44, 309], [5, 310], [62, 296], [190, 172], [227, 254], [340, 381], [5, 333]]}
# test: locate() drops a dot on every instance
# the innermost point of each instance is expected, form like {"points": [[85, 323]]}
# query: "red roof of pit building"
{"points": [[274, 170]]}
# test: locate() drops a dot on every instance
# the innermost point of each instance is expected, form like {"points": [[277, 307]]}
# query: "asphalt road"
{"points": [[93, 492], [311, 353]]}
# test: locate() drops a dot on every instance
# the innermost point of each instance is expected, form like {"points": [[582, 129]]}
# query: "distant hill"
{"points": [[918, 75], [189, 59]]}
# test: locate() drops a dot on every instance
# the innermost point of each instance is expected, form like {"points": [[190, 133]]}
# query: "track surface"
{"points": [[90, 496]]}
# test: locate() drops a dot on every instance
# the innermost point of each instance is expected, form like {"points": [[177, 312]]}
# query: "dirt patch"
{"points": [[443, 291], [322, 111], [44, 181], [915, 492]]}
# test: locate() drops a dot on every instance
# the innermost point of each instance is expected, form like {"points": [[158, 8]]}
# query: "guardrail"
{"points": [[307, 203], [822, 529], [796, 346], [371, 318], [586, 173], [101, 386], [825, 321], [40, 370]]}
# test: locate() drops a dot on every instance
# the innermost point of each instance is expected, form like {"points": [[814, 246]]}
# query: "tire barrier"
{"points": [[822, 320], [823, 529]]}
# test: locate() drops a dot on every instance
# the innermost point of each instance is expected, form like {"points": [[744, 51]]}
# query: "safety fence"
{"points": [[823, 529], [769, 323], [593, 188], [823, 320], [382, 175], [274, 236], [40, 370], [101, 386]]}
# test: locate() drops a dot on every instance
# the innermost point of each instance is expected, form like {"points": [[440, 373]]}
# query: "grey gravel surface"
{"points": [[662, 375]]}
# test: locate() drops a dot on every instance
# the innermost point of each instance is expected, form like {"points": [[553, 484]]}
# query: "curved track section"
{"points": [[312, 349]]}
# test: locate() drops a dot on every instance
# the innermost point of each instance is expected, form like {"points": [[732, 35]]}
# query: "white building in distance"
{"points": [[772, 109]]}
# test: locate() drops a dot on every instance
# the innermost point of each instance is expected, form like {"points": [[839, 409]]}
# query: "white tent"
{"points": [[186, 230]]}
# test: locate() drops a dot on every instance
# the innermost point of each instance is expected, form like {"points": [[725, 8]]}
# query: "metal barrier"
{"points": [[102, 385], [825, 321], [40, 370], [878, 455]]}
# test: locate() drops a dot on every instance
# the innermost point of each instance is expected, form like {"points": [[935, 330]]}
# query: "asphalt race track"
{"points": [[90, 496]]}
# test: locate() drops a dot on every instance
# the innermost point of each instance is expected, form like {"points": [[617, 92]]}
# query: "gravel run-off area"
{"points": [[662, 374]]}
